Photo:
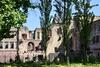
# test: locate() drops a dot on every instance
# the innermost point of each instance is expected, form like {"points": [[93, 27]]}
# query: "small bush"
{"points": [[92, 59]]}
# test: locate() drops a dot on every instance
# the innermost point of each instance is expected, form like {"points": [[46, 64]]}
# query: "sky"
{"points": [[33, 19]]}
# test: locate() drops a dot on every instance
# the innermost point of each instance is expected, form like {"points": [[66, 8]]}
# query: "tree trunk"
{"points": [[17, 45]]}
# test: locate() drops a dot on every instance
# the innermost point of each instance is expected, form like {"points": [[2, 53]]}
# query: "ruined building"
{"points": [[28, 47], [30, 43]]}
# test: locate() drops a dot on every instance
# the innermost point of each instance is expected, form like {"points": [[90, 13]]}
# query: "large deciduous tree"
{"points": [[64, 12], [45, 7], [83, 21], [13, 13], [9, 17]]}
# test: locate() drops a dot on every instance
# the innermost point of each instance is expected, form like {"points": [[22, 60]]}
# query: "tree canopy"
{"points": [[12, 14], [45, 7]]}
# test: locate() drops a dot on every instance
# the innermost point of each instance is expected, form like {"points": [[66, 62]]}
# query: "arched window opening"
{"points": [[30, 46]]}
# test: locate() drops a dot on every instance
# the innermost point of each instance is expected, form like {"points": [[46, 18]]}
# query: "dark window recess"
{"points": [[1, 46], [98, 54], [96, 39], [59, 39], [40, 57], [6, 46], [56, 49], [33, 36], [12, 45], [38, 48], [59, 31], [93, 40], [26, 58], [98, 27], [24, 36], [50, 33]]}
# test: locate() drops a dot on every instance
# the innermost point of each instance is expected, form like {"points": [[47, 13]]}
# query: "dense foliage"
{"points": [[64, 12], [45, 7], [83, 21], [12, 14]]}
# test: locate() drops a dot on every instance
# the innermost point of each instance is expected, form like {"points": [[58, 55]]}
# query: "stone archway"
{"points": [[30, 46]]}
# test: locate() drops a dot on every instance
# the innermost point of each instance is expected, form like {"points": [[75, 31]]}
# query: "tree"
{"points": [[45, 7], [24, 5], [83, 20], [64, 12], [8, 17], [13, 13]]}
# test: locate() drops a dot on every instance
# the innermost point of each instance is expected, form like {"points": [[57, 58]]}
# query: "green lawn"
{"points": [[51, 65], [73, 65]]}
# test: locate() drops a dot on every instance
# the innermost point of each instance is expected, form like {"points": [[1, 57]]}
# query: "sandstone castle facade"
{"points": [[30, 43]]}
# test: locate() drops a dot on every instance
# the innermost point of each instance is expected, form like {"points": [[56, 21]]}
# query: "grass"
{"points": [[73, 65], [51, 65]]}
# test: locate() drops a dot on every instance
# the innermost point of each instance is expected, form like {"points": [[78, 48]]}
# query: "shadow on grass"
{"points": [[28, 64]]}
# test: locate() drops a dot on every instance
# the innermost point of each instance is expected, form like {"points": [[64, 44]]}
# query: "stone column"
{"points": [[9, 45], [3, 45], [15, 45]]}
